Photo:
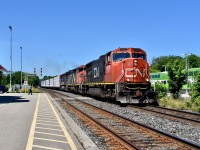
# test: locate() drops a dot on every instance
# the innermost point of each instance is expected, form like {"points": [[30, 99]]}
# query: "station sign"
{"points": [[25, 82]]}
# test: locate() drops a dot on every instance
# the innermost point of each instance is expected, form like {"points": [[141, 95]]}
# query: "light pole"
{"points": [[21, 71], [186, 67], [10, 27]]}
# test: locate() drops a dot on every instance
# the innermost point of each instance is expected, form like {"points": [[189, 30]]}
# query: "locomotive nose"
{"points": [[136, 70]]}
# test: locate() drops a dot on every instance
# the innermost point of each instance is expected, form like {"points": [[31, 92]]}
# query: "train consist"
{"points": [[122, 74]]}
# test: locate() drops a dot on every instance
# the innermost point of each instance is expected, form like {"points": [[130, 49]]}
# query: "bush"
{"points": [[160, 90], [35, 90], [188, 103], [180, 104], [196, 101]]}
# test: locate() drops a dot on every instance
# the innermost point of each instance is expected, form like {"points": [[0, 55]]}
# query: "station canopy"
{"points": [[3, 69]]}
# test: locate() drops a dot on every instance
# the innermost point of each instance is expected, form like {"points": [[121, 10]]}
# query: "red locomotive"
{"points": [[122, 74]]}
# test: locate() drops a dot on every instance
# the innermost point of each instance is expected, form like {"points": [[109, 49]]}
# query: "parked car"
{"points": [[3, 89]]}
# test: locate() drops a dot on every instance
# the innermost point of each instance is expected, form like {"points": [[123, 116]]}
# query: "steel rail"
{"points": [[180, 116], [192, 113]]}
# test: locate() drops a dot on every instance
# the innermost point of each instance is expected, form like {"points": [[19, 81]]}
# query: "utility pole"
{"points": [[10, 27], [21, 71]]}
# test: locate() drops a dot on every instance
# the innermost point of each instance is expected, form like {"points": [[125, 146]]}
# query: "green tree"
{"points": [[177, 77], [193, 61], [4, 80], [47, 77], [16, 77], [159, 64], [33, 80]]}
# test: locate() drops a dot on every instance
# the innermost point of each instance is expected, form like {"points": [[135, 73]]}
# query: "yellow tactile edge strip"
{"points": [[71, 143], [30, 145], [32, 131]]}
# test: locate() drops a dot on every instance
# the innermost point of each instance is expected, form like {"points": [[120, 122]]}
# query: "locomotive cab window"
{"points": [[137, 55], [81, 69], [120, 56], [107, 59]]}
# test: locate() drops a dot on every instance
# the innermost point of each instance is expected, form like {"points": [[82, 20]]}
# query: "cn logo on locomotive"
{"points": [[135, 72], [96, 72]]}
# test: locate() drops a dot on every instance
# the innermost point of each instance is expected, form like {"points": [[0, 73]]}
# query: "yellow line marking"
{"points": [[51, 118], [48, 128], [47, 117], [47, 124], [46, 121], [31, 134], [44, 147], [41, 110], [49, 134], [71, 143], [45, 113], [44, 110], [37, 138]]}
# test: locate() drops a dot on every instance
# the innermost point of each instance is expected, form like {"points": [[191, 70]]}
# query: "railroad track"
{"points": [[181, 115], [122, 133]]}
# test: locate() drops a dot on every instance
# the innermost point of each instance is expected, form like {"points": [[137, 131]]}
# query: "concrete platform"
{"points": [[38, 122]]}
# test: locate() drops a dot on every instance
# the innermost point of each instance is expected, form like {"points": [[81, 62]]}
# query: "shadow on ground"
{"points": [[12, 99]]}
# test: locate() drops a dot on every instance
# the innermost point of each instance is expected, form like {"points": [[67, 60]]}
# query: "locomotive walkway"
{"points": [[35, 122]]}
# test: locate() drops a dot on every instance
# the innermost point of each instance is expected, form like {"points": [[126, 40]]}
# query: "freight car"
{"points": [[53, 83], [122, 74]]}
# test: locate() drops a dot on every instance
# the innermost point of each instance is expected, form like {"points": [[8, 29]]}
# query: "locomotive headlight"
{"points": [[147, 80], [135, 63]]}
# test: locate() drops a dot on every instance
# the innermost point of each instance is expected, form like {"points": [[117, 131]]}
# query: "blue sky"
{"points": [[58, 35]]}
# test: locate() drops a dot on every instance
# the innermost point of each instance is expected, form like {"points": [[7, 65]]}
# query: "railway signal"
{"points": [[35, 71], [41, 72]]}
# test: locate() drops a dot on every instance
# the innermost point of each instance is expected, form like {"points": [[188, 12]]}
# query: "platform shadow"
{"points": [[12, 99]]}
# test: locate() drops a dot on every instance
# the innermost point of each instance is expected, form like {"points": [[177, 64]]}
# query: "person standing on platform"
{"points": [[30, 90]]}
